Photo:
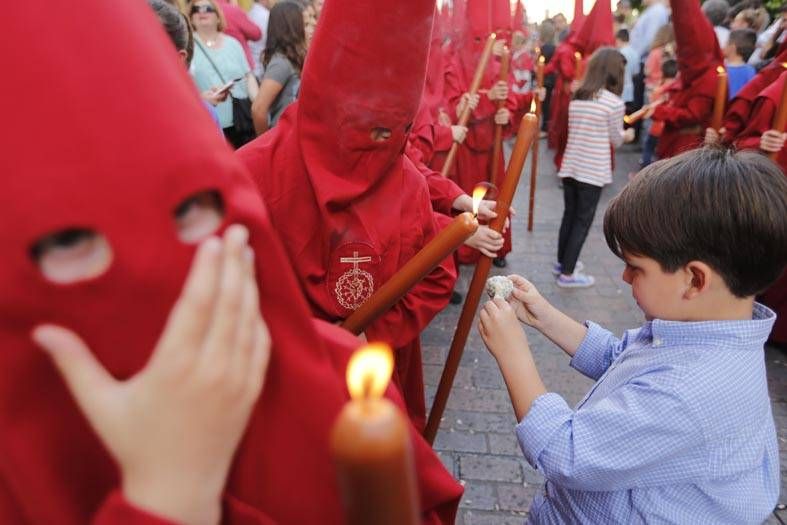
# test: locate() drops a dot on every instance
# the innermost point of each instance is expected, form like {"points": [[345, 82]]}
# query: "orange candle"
{"points": [[580, 66], [444, 244], [497, 143], [637, 115], [721, 98], [371, 446], [539, 81], [474, 87], [528, 129]]}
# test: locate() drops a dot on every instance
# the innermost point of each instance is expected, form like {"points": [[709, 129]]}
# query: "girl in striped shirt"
{"points": [[595, 126]]}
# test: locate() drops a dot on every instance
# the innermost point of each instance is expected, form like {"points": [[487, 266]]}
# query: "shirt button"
{"points": [[657, 342]]}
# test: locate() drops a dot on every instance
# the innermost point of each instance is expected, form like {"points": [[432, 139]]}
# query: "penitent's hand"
{"points": [[486, 240], [500, 329], [173, 428], [772, 141], [459, 133]]}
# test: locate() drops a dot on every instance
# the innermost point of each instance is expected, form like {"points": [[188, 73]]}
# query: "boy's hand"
{"points": [[772, 141], [528, 304], [173, 428], [500, 330]]}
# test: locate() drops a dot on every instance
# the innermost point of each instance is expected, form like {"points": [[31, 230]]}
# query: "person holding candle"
{"points": [[595, 31], [678, 426], [350, 207], [689, 110], [474, 158], [109, 432]]}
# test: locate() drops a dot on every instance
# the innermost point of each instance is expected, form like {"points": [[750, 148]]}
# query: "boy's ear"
{"points": [[698, 279]]}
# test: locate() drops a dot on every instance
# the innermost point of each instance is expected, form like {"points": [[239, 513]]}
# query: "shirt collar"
{"points": [[752, 332]]}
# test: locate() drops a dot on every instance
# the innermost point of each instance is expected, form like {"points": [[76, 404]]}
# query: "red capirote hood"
{"points": [[697, 46], [596, 30]]}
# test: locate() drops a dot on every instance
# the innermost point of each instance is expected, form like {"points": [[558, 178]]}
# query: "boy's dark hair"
{"points": [[745, 42], [669, 68], [727, 209], [622, 35], [606, 70]]}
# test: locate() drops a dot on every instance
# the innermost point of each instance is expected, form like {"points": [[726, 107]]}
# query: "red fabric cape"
{"points": [[53, 469]]}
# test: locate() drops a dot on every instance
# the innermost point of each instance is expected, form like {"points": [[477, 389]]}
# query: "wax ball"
{"points": [[499, 286]]}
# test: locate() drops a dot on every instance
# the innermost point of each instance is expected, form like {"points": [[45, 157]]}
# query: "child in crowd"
{"points": [[669, 70], [595, 122], [678, 427], [739, 48]]}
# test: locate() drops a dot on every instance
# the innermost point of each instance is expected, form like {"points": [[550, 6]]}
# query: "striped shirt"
{"points": [[593, 125], [677, 429]]}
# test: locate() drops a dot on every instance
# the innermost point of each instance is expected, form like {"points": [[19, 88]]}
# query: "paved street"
{"points": [[476, 439]]}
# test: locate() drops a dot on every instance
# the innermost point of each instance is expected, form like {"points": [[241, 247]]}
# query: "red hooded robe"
{"points": [[690, 107], [596, 31], [53, 468], [761, 120], [352, 211], [737, 115]]}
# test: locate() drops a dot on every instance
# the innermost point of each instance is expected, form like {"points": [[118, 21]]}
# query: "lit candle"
{"points": [[640, 113], [580, 66], [371, 446], [780, 118], [721, 98], [540, 71], [441, 246], [474, 87]]}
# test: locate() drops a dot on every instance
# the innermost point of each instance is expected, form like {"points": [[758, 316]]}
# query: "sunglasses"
{"points": [[202, 8]]}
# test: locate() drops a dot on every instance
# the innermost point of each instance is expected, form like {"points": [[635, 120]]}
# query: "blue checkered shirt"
{"points": [[677, 429]]}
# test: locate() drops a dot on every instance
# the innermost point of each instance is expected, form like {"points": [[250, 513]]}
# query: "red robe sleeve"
{"points": [[760, 120], [442, 190], [695, 112], [406, 320]]}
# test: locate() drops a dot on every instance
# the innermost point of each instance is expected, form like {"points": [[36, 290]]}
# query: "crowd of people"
{"points": [[171, 313]]}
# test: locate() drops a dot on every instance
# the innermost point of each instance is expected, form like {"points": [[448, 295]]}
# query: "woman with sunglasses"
{"points": [[219, 60]]}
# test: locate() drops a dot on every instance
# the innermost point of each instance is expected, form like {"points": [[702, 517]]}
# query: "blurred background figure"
{"points": [[282, 62], [219, 60], [238, 26], [259, 12]]}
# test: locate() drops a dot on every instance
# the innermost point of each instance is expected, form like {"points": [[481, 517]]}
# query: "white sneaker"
{"points": [[576, 280], [557, 268]]}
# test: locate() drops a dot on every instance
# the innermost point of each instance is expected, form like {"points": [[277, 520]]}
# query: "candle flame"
{"points": [[542, 60], [578, 55], [720, 70], [784, 65], [369, 371], [533, 106], [479, 192]]}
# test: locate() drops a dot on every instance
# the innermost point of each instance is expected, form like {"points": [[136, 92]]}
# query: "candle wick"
{"points": [[368, 381]]}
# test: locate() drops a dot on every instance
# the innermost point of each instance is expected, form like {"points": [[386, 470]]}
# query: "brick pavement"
{"points": [[476, 440]]}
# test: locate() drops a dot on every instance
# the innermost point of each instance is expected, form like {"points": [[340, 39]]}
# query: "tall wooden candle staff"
{"points": [[497, 145], [780, 118], [465, 116], [534, 156], [720, 101], [370, 444], [528, 130]]}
